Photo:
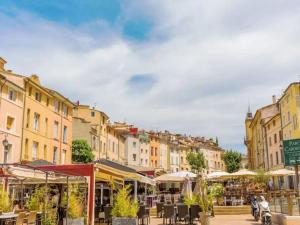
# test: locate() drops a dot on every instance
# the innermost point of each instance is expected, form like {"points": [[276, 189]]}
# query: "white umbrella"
{"points": [[175, 177], [243, 173], [187, 188], [216, 175], [183, 174], [281, 172]]}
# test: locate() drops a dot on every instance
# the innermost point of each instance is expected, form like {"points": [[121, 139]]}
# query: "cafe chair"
{"points": [[31, 219], [183, 213], [195, 210], [107, 214], [20, 219], [169, 214], [159, 209]]}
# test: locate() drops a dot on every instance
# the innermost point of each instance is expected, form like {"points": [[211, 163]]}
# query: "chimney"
{"points": [[274, 99], [2, 63]]}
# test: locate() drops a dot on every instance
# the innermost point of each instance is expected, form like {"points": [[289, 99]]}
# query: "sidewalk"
{"points": [[220, 220]]}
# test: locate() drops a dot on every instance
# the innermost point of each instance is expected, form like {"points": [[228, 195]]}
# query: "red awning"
{"points": [[76, 170]]}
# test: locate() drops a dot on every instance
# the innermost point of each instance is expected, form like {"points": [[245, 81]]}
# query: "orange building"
{"points": [[154, 150]]}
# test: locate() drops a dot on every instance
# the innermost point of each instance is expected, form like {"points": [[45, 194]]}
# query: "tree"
{"points": [[232, 161], [196, 161], [262, 178], [82, 152]]}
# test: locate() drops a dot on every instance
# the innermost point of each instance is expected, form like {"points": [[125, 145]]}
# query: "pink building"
{"points": [[11, 115]]}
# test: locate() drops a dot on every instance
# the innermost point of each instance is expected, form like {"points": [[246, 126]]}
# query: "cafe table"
{"points": [[7, 216]]}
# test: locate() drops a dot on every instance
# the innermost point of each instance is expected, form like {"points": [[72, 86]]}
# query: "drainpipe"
{"points": [[23, 122], [267, 149]]}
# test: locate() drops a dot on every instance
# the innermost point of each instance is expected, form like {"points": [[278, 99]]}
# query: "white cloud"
{"points": [[208, 59]]}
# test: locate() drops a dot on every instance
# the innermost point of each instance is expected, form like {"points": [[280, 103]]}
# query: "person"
{"points": [[270, 185], [16, 206]]}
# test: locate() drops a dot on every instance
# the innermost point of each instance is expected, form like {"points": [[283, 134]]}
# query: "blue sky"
{"points": [[79, 12], [190, 67]]}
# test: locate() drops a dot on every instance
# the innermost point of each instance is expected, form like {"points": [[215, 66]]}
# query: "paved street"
{"points": [[222, 220]]}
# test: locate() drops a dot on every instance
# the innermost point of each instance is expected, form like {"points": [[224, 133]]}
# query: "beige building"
{"points": [[90, 124], [11, 115], [214, 157]]}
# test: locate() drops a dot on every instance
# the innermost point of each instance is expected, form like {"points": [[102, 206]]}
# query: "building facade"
{"points": [[11, 115], [47, 124], [154, 150], [144, 149]]}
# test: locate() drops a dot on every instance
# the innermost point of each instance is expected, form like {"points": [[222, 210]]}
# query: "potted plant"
{"points": [[124, 210], [74, 210], [40, 203], [190, 200], [217, 191], [205, 202], [5, 204]]}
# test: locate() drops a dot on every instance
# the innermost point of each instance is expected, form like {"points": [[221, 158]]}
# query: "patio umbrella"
{"points": [[183, 174], [281, 172], [175, 177], [217, 175], [243, 173], [187, 187]]}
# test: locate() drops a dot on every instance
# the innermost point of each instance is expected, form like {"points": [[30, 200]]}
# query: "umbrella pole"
{"points": [[297, 180]]}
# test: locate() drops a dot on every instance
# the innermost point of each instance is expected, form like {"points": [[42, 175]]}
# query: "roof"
{"points": [[291, 84], [115, 165], [39, 162]]}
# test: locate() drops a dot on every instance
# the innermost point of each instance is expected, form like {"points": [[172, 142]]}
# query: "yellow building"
{"points": [[256, 135], [47, 124], [289, 108], [274, 138], [184, 165], [91, 124]]}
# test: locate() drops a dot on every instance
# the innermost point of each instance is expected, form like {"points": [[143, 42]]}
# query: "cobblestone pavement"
{"points": [[220, 220]]}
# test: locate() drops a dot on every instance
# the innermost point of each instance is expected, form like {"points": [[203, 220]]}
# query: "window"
{"points": [[48, 101], [134, 157], [26, 148], [141, 150], [146, 151], [65, 135], [146, 161], [275, 138], [92, 114], [34, 150], [12, 95], [56, 106], [28, 118], [65, 110], [277, 158], [134, 144], [46, 126], [270, 141], [10, 123], [113, 146], [295, 122], [30, 91], [36, 121], [155, 151], [274, 123], [55, 155], [141, 161], [280, 135], [63, 156], [38, 96], [6, 156], [45, 152], [155, 163], [269, 127], [151, 150], [271, 157], [55, 128]]}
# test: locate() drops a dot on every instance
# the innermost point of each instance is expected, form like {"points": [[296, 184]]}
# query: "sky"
{"points": [[189, 67]]}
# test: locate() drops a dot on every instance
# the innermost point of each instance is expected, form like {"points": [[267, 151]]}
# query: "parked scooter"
{"points": [[255, 208], [266, 217]]}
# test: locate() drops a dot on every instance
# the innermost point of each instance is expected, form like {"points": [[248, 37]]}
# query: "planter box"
{"points": [[204, 218], [124, 221], [78, 221]]}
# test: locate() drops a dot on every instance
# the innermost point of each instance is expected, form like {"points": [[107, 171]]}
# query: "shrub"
{"points": [[123, 205], [217, 190], [191, 200], [5, 204], [75, 202]]}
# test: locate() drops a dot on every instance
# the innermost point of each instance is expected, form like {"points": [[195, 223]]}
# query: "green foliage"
{"points": [[262, 178], [205, 199], [196, 161], [75, 209], [82, 152], [41, 202], [123, 205], [5, 203], [217, 190], [232, 161], [191, 201]]}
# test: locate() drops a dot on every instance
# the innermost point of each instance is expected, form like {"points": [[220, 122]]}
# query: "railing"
{"points": [[284, 202]]}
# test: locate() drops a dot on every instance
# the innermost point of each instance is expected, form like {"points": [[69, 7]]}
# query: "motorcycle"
{"points": [[266, 217], [255, 208]]}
